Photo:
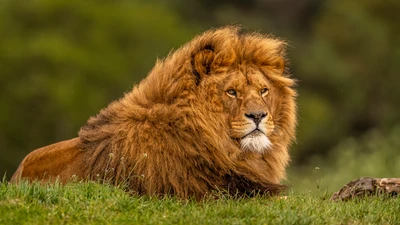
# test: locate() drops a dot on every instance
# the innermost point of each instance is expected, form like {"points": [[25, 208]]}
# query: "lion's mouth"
{"points": [[255, 133]]}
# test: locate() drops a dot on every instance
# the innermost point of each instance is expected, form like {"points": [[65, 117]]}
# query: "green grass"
{"points": [[91, 203]]}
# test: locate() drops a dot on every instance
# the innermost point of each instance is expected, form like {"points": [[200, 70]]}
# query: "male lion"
{"points": [[217, 114]]}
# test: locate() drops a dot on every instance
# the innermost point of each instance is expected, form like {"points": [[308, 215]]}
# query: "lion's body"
{"points": [[183, 131]]}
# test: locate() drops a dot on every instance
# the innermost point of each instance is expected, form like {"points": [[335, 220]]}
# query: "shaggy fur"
{"points": [[178, 132]]}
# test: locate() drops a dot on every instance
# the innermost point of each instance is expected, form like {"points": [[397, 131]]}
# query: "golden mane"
{"points": [[168, 136]]}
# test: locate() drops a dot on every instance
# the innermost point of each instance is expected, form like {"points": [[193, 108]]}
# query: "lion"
{"points": [[218, 114]]}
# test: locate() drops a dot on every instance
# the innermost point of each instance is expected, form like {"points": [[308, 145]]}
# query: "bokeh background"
{"points": [[62, 61]]}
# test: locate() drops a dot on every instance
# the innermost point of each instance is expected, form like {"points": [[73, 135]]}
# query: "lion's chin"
{"points": [[256, 141]]}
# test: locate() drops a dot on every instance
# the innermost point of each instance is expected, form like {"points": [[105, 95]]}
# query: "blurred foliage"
{"points": [[62, 61], [350, 82], [375, 154]]}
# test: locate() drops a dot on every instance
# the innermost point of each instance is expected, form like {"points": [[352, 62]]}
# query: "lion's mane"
{"points": [[168, 135]]}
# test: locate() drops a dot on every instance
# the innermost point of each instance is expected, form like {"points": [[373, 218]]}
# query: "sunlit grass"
{"points": [[92, 203]]}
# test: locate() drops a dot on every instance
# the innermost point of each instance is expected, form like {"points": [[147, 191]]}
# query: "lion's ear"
{"points": [[202, 62]]}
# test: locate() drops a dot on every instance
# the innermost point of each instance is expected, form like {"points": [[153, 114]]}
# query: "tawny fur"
{"points": [[173, 134]]}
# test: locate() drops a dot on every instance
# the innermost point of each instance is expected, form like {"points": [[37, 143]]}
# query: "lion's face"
{"points": [[248, 99], [246, 78]]}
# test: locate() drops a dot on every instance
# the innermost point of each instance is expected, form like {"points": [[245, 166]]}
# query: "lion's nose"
{"points": [[256, 117]]}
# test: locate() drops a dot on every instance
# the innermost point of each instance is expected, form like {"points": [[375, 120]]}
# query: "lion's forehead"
{"points": [[242, 79]]}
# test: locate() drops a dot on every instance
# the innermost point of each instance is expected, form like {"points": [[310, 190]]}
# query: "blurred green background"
{"points": [[62, 61]]}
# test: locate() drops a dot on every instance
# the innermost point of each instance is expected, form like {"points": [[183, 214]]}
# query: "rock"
{"points": [[367, 186]]}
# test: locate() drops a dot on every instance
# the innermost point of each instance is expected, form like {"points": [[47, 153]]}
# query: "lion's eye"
{"points": [[264, 91], [231, 93]]}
